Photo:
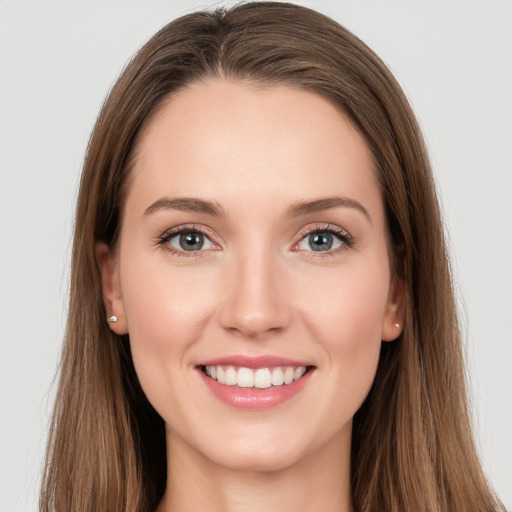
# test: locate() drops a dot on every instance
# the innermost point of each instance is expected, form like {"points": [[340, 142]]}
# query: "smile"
{"points": [[255, 383], [261, 378]]}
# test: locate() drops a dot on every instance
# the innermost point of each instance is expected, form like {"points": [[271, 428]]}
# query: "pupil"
{"points": [[320, 241], [191, 241]]}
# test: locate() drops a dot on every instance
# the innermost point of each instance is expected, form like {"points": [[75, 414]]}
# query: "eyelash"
{"points": [[346, 239], [166, 237]]}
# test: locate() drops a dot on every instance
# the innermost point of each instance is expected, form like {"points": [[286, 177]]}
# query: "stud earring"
{"points": [[397, 326], [112, 319]]}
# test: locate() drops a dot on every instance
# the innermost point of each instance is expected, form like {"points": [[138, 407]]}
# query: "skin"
{"points": [[258, 288]]}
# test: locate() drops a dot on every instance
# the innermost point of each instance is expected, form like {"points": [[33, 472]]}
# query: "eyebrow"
{"points": [[194, 204], [186, 204], [327, 203]]}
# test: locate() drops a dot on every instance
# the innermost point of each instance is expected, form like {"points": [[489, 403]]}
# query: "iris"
{"points": [[320, 241], [191, 241]]}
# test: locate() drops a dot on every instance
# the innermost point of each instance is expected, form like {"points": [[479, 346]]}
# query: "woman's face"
{"points": [[253, 247]]}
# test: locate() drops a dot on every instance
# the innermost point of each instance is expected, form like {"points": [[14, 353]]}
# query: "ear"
{"points": [[393, 321], [111, 286]]}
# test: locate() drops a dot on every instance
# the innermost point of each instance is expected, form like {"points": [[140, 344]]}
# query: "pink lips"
{"points": [[253, 398], [252, 362]]}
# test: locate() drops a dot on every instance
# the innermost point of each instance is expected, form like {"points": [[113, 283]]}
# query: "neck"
{"points": [[318, 481]]}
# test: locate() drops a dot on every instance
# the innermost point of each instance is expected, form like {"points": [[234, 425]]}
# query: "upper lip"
{"points": [[254, 362]]}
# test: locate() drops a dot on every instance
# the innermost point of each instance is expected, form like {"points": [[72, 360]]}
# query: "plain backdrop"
{"points": [[58, 61]]}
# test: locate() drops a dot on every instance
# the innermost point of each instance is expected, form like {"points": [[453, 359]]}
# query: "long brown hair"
{"points": [[412, 446]]}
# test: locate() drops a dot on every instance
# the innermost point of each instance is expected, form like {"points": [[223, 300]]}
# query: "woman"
{"points": [[258, 224]]}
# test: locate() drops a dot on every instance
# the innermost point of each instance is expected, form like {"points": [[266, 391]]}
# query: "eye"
{"points": [[324, 240], [190, 241], [186, 240]]}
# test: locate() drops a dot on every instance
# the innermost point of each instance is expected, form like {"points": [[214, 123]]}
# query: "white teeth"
{"points": [[277, 377], [299, 372], [261, 378], [231, 376], [245, 378], [288, 375]]}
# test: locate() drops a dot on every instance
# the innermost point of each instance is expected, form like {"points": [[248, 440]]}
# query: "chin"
{"points": [[261, 452], [266, 459]]}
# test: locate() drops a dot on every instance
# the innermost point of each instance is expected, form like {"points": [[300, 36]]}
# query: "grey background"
{"points": [[57, 62]]}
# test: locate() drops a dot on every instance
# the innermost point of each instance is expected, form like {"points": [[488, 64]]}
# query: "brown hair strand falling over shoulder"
{"points": [[412, 446]]}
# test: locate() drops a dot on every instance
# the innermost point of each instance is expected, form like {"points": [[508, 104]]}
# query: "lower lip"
{"points": [[254, 398]]}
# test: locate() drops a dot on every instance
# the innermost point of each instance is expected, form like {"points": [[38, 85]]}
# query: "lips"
{"points": [[255, 382]]}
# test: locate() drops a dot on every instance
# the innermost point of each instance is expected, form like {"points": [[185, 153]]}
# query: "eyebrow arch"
{"points": [[186, 204], [318, 205]]}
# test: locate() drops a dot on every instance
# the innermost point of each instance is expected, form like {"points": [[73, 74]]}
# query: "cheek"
{"points": [[350, 302], [166, 313], [164, 306], [345, 317]]}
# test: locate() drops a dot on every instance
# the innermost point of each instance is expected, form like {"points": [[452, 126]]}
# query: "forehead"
{"points": [[222, 139]]}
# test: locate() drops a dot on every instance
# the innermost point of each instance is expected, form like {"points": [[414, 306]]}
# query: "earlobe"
{"points": [[393, 321], [111, 288]]}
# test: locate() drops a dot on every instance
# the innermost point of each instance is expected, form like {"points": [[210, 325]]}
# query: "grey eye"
{"points": [[190, 241], [320, 241]]}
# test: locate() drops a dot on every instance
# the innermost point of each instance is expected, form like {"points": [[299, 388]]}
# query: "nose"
{"points": [[255, 304]]}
